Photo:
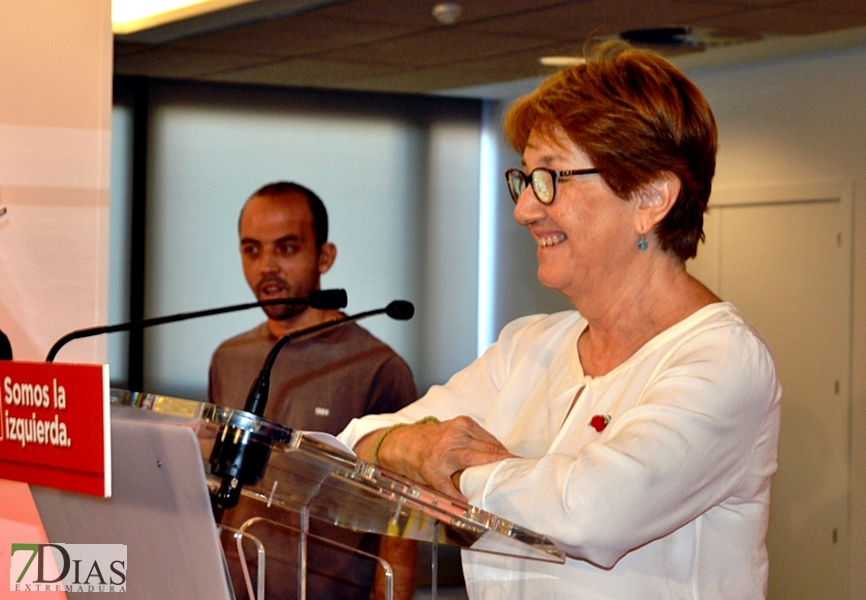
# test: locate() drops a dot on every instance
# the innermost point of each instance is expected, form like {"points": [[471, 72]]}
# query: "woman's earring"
{"points": [[642, 244]]}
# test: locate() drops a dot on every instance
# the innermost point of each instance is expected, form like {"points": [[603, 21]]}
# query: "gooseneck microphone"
{"points": [[322, 299], [240, 457], [258, 396]]}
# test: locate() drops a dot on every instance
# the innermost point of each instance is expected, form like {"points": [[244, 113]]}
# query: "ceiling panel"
{"points": [[446, 77], [806, 18], [578, 20], [170, 63], [306, 73], [439, 47], [305, 34]]}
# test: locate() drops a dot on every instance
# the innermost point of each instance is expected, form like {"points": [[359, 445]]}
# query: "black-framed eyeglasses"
{"points": [[543, 182]]}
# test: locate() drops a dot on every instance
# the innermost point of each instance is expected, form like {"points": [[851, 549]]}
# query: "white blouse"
{"points": [[669, 500]]}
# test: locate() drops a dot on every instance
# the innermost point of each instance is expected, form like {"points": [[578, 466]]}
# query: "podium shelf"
{"points": [[306, 471]]}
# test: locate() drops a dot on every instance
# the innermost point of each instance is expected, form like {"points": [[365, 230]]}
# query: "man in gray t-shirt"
{"points": [[318, 383]]}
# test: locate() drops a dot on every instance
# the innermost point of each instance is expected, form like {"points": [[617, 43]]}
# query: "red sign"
{"points": [[54, 426]]}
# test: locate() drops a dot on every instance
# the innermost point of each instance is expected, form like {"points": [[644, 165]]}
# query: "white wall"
{"points": [[399, 177], [449, 270], [55, 74], [55, 70], [119, 252], [798, 121]]}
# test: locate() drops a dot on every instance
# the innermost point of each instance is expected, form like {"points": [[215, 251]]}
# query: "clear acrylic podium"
{"points": [[310, 475]]}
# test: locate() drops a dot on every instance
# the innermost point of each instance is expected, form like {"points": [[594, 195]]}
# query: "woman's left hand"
{"points": [[433, 453]]}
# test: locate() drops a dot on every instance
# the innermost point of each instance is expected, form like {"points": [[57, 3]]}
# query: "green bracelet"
{"points": [[378, 446], [382, 439]]}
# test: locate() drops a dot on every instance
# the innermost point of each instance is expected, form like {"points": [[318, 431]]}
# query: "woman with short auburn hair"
{"points": [[635, 115], [639, 431]]}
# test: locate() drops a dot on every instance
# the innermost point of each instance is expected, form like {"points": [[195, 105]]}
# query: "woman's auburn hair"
{"points": [[636, 117]]}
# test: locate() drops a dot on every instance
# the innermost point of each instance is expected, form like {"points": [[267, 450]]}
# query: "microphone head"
{"points": [[401, 310], [328, 299], [5, 347]]}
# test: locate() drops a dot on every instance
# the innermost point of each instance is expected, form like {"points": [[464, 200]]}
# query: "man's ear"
{"points": [[327, 256], [655, 200]]}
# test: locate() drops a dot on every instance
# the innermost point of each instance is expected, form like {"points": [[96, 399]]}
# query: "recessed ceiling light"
{"points": [[561, 62], [661, 36], [687, 38]]}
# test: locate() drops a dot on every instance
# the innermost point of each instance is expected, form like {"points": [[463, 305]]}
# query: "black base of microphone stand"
{"points": [[240, 457]]}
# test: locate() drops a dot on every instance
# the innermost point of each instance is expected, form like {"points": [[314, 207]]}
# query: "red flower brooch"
{"points": [[599, 422]]}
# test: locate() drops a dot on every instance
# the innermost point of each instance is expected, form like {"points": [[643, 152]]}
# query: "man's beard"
{"points": [[281, 312]]}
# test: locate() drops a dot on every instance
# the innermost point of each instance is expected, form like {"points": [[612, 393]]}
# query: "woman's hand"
{"points": [[434, 452]]}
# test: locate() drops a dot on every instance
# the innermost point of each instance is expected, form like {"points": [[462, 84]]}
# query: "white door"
{"points": [[783, 257]]}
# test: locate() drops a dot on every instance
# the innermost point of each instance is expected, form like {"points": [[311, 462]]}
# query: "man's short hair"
{"points": [[317, 207]]}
